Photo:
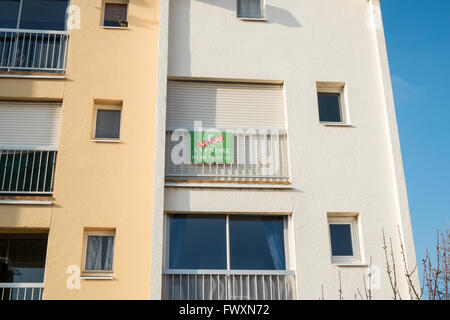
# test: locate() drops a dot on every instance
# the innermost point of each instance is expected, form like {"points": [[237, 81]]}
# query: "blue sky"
{"points": [[418, 43]]}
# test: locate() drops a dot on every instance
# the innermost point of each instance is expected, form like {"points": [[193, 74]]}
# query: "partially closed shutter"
{"points": [[225, 105], [25, 125]]}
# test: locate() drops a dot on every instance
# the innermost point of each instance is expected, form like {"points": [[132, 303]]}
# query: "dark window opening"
{"points": [[341, 240], [108, 124], [330, 107], [115, 15]]}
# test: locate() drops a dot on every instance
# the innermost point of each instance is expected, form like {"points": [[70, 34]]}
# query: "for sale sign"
{"points": [[212, 147]]}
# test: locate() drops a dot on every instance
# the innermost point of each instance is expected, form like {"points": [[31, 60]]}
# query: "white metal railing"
{"points": [[228, 285], [24, 172], [42, 51], [257, 158], [21, 291]]}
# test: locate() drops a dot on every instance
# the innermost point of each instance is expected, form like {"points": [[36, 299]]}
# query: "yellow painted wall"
{"points": [[99, 185]]}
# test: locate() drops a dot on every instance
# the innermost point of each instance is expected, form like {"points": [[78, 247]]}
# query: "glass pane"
{"points": [[249, 9], [26, 261], [329, 107], [197, 242], [114, 14], [257, 243], [99, 253], [44, 14], [341, 240], [108, 124], [3, 260], [9, 11]]}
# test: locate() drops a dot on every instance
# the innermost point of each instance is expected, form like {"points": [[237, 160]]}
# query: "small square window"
{"points": [[332, 104], [344, 240], [115, 15], [330, 107], [107, 124], [99, 252], [250, 9]]}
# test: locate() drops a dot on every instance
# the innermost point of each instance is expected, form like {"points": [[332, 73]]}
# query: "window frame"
{"points": [[109, 106], [286, 240], [263, 12], [332, 88], [97, 273], [105, 2], [19, 19], [354, 232]]}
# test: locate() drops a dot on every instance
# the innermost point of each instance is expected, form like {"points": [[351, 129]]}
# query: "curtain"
{"points": [[273, 229], [93, 254], [99, 254], [108, 253], [114, 12], [249, 8]]}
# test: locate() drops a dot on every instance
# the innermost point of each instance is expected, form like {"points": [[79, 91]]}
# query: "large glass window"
{"points": [[257, 243], [9, 12], [22, 258], [232, 242], [34, 14], [197, 242]]}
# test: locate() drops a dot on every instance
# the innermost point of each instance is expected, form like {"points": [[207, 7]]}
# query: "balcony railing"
{"points": [[21, 291], [257, 157], [27, 172], [228, 285], [40, 51]]}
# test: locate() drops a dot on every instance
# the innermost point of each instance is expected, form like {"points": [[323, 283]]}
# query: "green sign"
{"points": [[212, 147]]}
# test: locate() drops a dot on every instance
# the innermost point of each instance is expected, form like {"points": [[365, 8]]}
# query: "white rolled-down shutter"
{"points": [[26, 125], [225, 105]]}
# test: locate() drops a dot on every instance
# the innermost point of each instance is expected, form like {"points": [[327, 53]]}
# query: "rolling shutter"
{"points": [[25, 125], [225, 105]]}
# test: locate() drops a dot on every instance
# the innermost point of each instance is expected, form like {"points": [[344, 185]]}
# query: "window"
{"points": [[331, 103], [219, 242], [22, 258], [115, 15], [250, 9], [99, 252], [344, 240], [107, 120], [33, 14]]}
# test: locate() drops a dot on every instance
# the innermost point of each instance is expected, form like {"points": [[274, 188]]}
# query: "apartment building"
{"points": [[77, 111], [197, 149], [282, 163]]}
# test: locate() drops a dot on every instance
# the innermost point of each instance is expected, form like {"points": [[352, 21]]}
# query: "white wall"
{"points": [[333, 169]]}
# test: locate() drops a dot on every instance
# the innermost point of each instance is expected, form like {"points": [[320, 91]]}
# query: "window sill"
{"points": [[106, 140], [97, 277], [231, 185], [114, 28], [337, 124], [350, 264], [33, 75], [263, 19], [28, 200]]}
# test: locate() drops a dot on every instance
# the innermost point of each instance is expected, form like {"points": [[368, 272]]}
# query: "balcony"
{"points": [[27, 172], [33, 51], [258, 156], [228, 285], [21, 291]]}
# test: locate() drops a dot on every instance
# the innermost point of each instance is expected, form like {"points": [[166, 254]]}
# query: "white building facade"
{"points": [[303, 169]]}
